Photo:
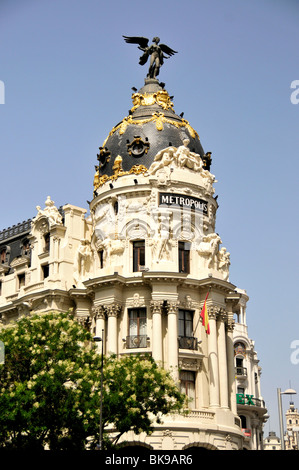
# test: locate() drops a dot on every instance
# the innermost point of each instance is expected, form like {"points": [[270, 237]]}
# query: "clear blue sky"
{"points": [[68, 76]]}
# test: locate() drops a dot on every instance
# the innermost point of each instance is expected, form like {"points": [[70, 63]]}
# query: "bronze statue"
{"points": [[155, 51]]}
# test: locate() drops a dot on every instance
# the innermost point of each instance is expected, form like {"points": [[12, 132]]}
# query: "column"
{"points": [[99, 315], [254, 428], [172, 333], [157, 351], [222, 362], [112, 314], [213, 361], [231, 365]]}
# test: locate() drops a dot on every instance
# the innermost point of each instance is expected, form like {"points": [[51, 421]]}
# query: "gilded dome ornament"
{"points": [[150, 126], [160, 98]]}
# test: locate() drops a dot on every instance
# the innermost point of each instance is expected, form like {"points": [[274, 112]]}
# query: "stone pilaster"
{"points": [[172, 333], [112, 312], [213, 360], [157, 349]]}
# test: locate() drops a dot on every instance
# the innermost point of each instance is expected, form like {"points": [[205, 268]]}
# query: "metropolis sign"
{"points": [[181, 200]]}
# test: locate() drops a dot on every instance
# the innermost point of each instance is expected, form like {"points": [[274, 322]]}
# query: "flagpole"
{"points": [[201, 309]]}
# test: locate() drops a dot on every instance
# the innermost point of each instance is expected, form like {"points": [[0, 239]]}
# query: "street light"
{"points": [[97, 339], [289, 391]]}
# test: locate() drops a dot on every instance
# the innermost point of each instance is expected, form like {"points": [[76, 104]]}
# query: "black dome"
{"points": [[151, 126]]}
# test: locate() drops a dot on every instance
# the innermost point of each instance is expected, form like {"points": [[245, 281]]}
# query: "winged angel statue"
{"points": [[155, 51]]}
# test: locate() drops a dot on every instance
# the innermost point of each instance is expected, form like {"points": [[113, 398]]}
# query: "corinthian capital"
{"points": [[98, 311], [156, 306], [172, 306], [113, 310]]}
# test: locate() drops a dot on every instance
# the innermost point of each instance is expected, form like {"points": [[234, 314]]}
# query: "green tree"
{"points": [[50, 387]]}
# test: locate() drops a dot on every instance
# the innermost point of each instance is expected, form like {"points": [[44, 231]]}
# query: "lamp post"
{"points": [[289, 391], [97, 339]]}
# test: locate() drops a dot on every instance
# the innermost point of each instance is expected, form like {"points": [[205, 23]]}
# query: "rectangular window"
{"points": [[21, 280], [138, 255], [47, 242], [184, 257], [46, 271], [186, 338], [137, 328], [185, 322], [187, 385], [101, 257]]}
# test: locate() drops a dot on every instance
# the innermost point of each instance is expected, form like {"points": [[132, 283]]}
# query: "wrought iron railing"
{"points": [[188, 342], [241, 371], [136, 341]]}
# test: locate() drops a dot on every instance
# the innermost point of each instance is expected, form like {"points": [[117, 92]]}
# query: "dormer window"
{"points": [[3, 256], [25, 248]]}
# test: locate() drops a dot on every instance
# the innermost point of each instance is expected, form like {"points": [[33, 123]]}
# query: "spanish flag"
{"points": [[205, 316]]}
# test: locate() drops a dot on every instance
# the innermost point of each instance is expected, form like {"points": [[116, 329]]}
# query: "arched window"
{"points": [[240, 348], [243, 421]]}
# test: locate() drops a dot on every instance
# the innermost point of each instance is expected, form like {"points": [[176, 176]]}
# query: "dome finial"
{"points": [[155, 51]]}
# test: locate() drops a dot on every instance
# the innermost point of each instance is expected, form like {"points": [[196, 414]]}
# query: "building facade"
{"points": [[272, 442], [292, 425], [138, 269], [250, 403]]}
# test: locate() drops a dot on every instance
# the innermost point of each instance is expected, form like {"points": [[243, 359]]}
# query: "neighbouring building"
{"points": [[292, 425], [272, 442], [139, 266]]}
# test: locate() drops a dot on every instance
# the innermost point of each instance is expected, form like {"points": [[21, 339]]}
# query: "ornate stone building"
{"points": [[139, 267], [292, 425]]}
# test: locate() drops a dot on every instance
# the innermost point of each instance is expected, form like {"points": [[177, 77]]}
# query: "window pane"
{"points": [[138, 255], [137, 321], [187, 380], [185, 323], [184, 257]]}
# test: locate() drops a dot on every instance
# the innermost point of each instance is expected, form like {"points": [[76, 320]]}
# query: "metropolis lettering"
{"points": [[183, 201]]}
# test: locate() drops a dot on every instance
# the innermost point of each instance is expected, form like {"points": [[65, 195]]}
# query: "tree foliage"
{"points": [[50, 387]]}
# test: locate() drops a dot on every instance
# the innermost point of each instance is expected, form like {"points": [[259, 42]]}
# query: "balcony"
{"points": [[188, 342], [241, 371], [136, 341], [259, 402], [246, 399]]}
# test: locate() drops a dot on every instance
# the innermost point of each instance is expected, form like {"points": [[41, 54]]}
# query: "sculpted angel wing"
{"points": [[167, 50], [142, 42]]}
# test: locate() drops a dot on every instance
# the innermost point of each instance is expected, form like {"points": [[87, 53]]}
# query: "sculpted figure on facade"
{"points": [[163, 158], [50, 212], [184, 158], [224, 262], [104, 219], [180, 157], [209, 248], [83, 260], [161, 243], [112, 248]]}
